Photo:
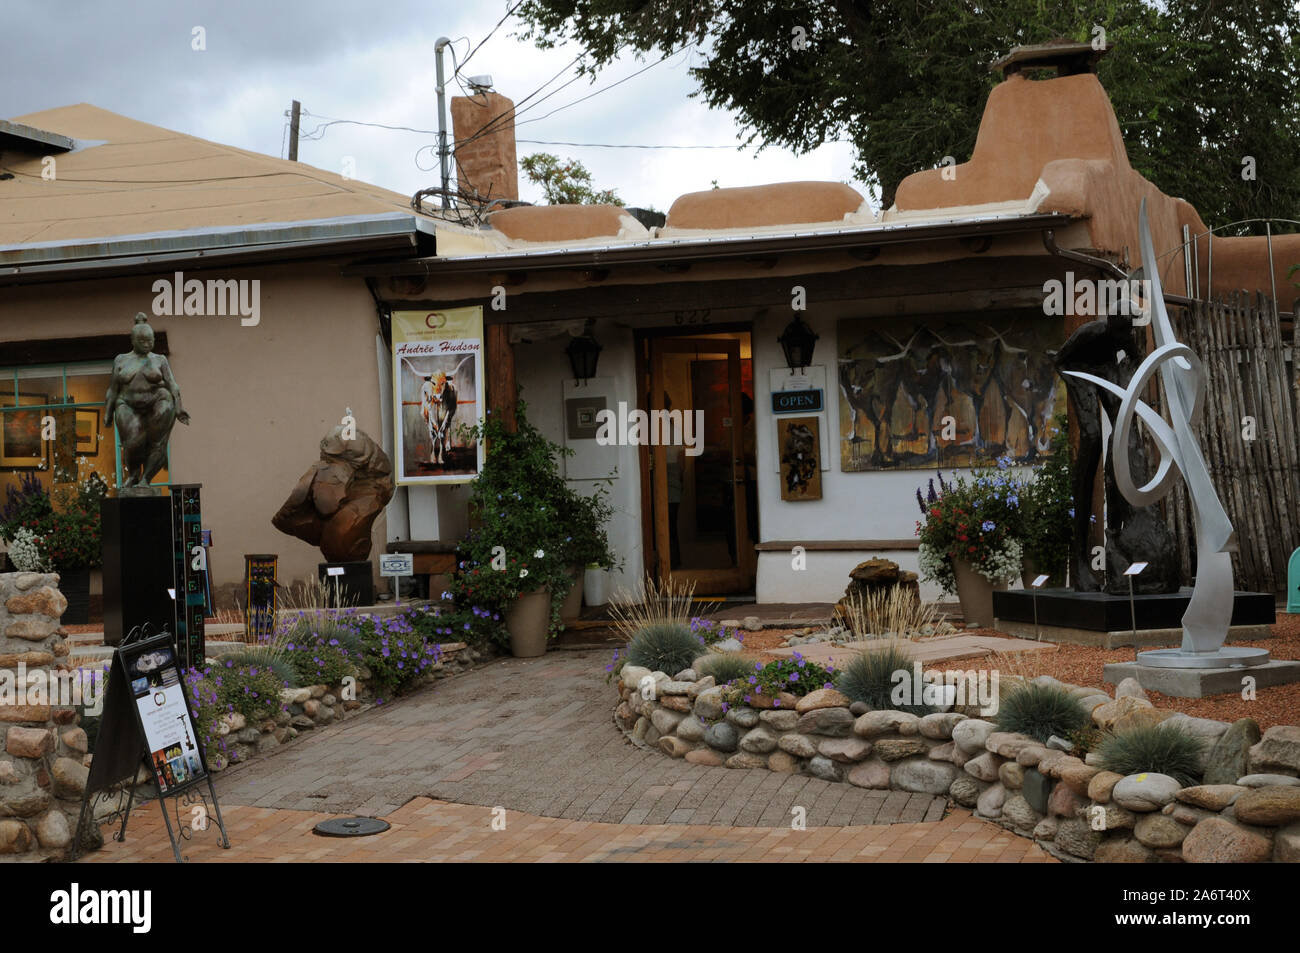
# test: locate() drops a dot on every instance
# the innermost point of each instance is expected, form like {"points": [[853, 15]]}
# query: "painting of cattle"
{"points": [[947, 390]]}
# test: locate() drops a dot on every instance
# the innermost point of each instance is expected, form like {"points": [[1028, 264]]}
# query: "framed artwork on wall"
{"points": [[87, 431], [21, 447], [799, 443]]}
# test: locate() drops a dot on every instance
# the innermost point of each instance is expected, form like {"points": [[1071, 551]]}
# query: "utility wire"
{"points": [[509, 12]]}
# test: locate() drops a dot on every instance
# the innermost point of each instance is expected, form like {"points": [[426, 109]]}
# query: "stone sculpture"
{"points": [[144, 402], [337, 500], [1209, 613], [1109, 350]]}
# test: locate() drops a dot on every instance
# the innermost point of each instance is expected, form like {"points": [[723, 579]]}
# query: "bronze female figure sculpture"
{"points": [[145, 402]]}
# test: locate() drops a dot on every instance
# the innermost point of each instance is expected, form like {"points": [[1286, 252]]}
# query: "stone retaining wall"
{"points": [[42, 751], [1248, 809]]}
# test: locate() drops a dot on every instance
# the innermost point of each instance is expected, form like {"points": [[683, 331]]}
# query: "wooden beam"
{"points": [[502, 391], [67, 350], [875, 281]]}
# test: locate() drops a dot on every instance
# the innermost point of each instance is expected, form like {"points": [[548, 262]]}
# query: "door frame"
{"points": [[654, 499]]}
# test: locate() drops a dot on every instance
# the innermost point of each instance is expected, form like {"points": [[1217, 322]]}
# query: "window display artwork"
{"points": [[947, 390]]}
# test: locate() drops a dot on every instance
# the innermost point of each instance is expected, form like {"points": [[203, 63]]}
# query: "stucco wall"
{"points": [[260, 397]]}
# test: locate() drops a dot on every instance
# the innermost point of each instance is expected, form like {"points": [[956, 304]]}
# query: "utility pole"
{"points": [[293, 130], [444, 154]]}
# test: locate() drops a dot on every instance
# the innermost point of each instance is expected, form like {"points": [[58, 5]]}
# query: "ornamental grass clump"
{"points": [[871, 676], [724, 667], [1041, 711], [1159, 749], [666, 647]]}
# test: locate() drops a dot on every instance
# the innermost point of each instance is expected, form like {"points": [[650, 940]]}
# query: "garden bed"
{"points": [[1242, 804]]}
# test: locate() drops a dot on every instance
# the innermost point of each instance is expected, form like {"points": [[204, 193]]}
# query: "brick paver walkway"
{"points": [[537, 736], [426, 830]]}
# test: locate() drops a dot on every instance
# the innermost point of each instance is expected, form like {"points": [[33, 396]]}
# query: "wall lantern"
{"points": [[798, 341], [584, 352]]}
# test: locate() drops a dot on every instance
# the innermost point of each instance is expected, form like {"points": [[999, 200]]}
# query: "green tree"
{"points": [[565, 182], [1198, 85]]}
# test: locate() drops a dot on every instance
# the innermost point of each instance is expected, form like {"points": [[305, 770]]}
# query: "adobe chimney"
{"points": [[488, 165]]}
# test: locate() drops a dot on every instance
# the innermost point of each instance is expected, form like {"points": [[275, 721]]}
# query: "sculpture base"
{"points": [[1225, 657], [139, 570], [355, 586], [1103, 613], [137, 491], [1202, 682]]}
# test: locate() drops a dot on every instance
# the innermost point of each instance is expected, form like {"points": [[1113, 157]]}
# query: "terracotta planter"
{"points": [[527, 621], [975, 593], [571, 608]]}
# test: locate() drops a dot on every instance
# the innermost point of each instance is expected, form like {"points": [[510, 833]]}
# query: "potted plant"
{"points": [[970, 537], [1048, 513], [515, 561]]}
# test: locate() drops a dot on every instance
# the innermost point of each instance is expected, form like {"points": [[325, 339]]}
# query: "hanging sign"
{"points": [[806, 401], [259, 597], [438, 378]]}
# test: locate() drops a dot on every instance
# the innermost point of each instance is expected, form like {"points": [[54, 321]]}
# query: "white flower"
{"points": [[539, 554], [522, 573], [25, 552]]}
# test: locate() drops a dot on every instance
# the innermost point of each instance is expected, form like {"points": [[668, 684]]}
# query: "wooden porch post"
{"points": [[502, 391]]}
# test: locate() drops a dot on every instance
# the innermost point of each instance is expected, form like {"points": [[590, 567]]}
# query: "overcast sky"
{"points": [[372, 61]]}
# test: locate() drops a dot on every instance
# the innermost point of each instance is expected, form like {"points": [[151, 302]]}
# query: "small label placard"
{"points": [[334, 570], [1135, 569], [1039, 581], [397, 564]]}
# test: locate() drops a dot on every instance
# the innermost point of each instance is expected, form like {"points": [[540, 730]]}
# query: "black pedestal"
{"points": [[1100, 612], [138, 565], [356, 586]]}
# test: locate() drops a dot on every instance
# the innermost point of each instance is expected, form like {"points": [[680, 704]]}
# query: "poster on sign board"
{"points": [[438, 377]]}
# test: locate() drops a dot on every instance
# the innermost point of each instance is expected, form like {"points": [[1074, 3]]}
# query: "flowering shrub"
{"points": [[395, 652], [318, 659], [1049, 510], [975, 518], [710, 632], [474, 625], [25, 552], [795, 675], [521, 543], [65, 528], [225, 687]]}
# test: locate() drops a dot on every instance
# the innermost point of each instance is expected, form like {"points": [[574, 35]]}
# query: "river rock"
{"points": [[708, 704], [896, 749], [1017, 812], [1267, 780], [922, 776], [1216, 841], [1226, 759], [1278, 752], [1109, 817], [848, 750], [872, 773], [1157, 830], [939, 725], [779, 720], [966, 790], [1105, 716], [782, 763], [835, 722], [704, 756], [825, 768], [1286, 845], [1269, 806], [991, 801], [1131, 688], [1063, 801], [1102, 784], [691, 728], [1212, 797], [722, 736], [743, 717], [746, 759], [884, 722], [1075, 836], [1124, 849], [985, 767], [1145, 792], [970, 734], [801, 746], [822, 698], [674, 746], [1011, 775], [665, 721]]}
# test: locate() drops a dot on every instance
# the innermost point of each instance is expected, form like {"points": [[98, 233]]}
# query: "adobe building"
{"points": [[931, 352]]}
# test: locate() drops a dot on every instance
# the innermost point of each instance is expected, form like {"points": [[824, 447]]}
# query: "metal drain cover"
{"points": [[351, 827]]}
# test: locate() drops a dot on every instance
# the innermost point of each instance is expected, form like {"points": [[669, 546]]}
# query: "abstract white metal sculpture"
{"points": [[1209, 613]]}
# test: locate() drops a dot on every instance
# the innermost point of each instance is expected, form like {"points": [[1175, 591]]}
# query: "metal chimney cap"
{"points": [[481, 83]]}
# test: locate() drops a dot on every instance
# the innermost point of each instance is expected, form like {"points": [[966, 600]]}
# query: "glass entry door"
{"points": [[696, 444]]}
